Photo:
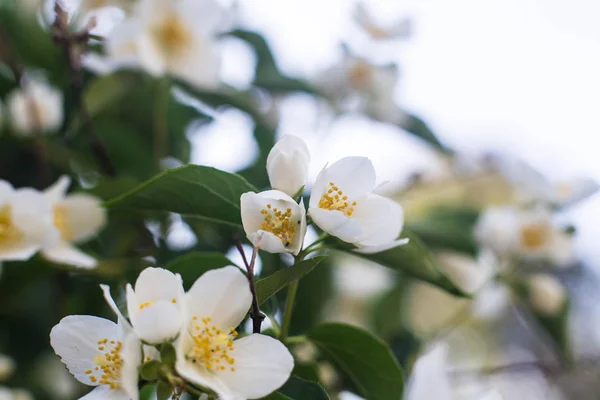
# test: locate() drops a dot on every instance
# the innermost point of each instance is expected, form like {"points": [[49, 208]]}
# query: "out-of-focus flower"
{"points": [[356, 85], [6, 393], [22, 394], [401, 29], [36, 108], [26, 223], [87, 6], [52, 376], [287, 165], [78, 217], [546, 294], [248, 368], [171, 37], [527, 233], [7, 367], [465, 272], [343, 205], [154, 307], [273, 221], [99, 353]]}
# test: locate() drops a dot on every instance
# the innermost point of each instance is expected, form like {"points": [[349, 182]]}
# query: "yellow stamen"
{"points": [[279, 223], [334, 199], [212, 347]]}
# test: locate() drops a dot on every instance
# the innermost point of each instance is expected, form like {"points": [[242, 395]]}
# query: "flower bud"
{"points": [[287, 165], [7, 367], [36, 108], [546, 294]]}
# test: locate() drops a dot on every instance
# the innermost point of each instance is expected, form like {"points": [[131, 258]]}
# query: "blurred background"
{"points": [[472, 104]]}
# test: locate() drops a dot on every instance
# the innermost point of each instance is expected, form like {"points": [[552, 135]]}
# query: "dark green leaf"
{"points": [[192, 265], [419, 128], [150, 369], [277, 396], [412, 259], [363, 358], [306, 370], [163, 391], [193, 190], [267, 287], [147, 392], [301, 389], [167, 354], [385, 315]]}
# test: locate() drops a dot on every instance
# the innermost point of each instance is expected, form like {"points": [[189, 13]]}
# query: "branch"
{"points": [[74, 44], [255, 314]]}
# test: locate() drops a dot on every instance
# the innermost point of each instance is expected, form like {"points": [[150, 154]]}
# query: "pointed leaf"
{"points": [[194, 191], [412, 259], [301, 389], [267, 287], [366, 360]]}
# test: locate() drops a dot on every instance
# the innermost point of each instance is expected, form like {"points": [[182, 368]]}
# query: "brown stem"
{"points": [[72, 43], [255, 314]]}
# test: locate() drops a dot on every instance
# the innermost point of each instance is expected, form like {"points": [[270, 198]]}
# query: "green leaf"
{"points": [[267, 287], [192, 265], [366, 360], [301, 389], [277, 396], [194, 191], [419, 128], [168, 355], [163, 391], [412, 259], [147, 392], [150, 369], [385, 315]]}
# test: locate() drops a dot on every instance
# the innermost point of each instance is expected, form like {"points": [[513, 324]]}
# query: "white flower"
{"points": [[154, 307], [78, 217], [546, 294], [465, 272], [527, 233], [273, 221], [171, 37], [99, 353], [36, 108], [26, 223], [343, 205], [287, 165], [7, 367], [208, 353], [356, 85], [398, 30], [6, 393]]}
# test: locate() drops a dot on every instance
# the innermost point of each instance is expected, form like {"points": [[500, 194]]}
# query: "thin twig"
{"points": [[255, 314], [74, 44]]}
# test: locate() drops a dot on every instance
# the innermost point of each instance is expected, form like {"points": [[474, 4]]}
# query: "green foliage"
{"points": [[192, 265], [163, 390], [194, 191], [363, 358], [413, 260], [168, 355], [149, 370], [269, 286], [299, 389]]}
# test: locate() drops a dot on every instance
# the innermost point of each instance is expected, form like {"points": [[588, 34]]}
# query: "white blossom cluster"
{"points": [[343, 204], [201, 325], [50, 222]]}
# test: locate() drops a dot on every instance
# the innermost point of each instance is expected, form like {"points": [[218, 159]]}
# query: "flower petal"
{"points": [[199, 65], [111, 303], [57, 192], [64, 253], [132, 358], [287, 164], [84, 216], [381, 220], [429, 378], [336, 223], [158, 323], [262, 365], [355, 176], [267, 242], [381, 247], [104, 392], [222, 294], [156, 284], [32, 215], [75, 341]]}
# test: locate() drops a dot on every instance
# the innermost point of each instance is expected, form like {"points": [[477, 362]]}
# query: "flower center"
{"points": [[377, 32], [212, 346], [534, 236], [359, 74], [151, 303], [61, 222], [279, 223], [108, 364], [8, 231], [172, 35], [334, 199]]}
